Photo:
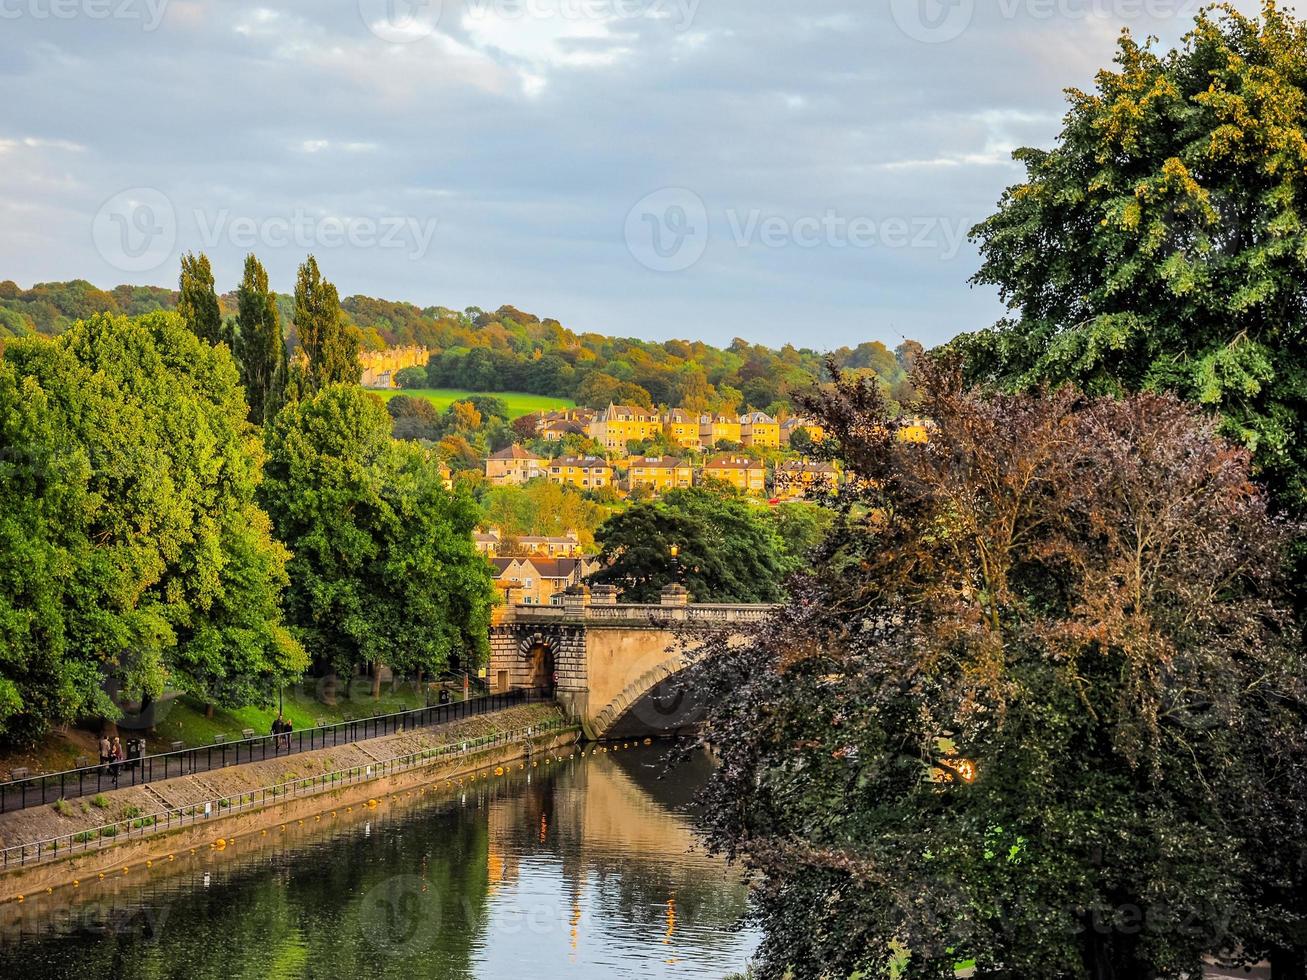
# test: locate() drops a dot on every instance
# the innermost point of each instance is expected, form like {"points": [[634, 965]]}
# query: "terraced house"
{"points": [[584, 472], [619, 424], [533, 581], [682, 428], [759, 430], [513, 466], [718, 428], [743, 473], [792, 424], [797, 478], [659, 473]]}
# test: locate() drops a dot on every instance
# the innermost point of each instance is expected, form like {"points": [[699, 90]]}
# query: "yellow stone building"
{"points": [[759, 430], [682, 428], [534, 581], [718, 428], [619, 424], [796, 479], [513, 467], [380, 366], [746, 474], [659, 473], [585, 472], [815, 432]]}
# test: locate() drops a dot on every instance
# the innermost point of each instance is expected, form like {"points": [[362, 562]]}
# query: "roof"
{"points": [[657, 462], [794, 422], [757, 418], [515, 452], [564, 425], [680, 415], [734, 463], [805, 466], [545, 567], [612, 411], [590, 461]]}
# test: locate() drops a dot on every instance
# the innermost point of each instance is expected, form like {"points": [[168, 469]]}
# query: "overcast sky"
{"points": [[783, 170]]}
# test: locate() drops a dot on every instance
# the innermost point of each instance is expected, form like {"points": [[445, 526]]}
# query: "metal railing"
{"points": [[94, 838], [19, 794]]}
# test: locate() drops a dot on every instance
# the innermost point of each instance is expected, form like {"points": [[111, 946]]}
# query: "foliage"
{"points": [[802, 527], [384, 570], [411, 377], [1035, 705], [259, 345], [728, 550], [516, 404], [1160, 245], [132, 549], [328, 343], [197, 302], [542, 508]]}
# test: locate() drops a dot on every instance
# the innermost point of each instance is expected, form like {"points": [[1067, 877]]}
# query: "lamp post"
{"points": [[675, 551]]}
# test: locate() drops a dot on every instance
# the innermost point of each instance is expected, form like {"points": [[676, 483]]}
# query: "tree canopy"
{"points": [[197, 301], [260, 345], [329, 345]]}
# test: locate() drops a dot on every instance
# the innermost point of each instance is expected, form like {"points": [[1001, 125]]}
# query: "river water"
{"points": [[580, 867]]}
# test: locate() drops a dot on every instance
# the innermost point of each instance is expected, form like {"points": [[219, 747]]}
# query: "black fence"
{"points": [[18, 794]]}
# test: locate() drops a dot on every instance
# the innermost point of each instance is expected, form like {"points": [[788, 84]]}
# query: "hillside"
{"points": [[511, 350]]}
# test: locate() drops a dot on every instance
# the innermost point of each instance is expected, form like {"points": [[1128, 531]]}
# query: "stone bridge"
{"points": [[609, 664]]}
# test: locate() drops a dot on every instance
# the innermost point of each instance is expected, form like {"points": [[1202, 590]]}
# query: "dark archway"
{"points": [[667, 708], [541, 666]]}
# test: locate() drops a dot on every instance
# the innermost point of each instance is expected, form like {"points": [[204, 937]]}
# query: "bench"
{"points": [[219, 739], [177, 746], [22, 772], [247, 733]]}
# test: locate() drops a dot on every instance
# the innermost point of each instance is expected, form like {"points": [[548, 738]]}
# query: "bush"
{"points": [[63, 808], [100, 801]]}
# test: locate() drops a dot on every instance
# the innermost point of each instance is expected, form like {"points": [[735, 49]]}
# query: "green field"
{"points": [[519, 403]]}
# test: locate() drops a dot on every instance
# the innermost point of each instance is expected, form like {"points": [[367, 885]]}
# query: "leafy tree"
{"points": [[1031, 708], [197, 301], [411, 377], [383, 569], [728, 551], [414, 418], [802, 527], [542, 508], [1160, 245], [260, 346], [330, 346], [135, 549]]}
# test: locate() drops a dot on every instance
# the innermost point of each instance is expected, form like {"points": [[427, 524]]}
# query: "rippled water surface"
{"points": [[584, 867]]}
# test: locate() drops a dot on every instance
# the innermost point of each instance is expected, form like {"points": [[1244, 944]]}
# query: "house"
{"points": [[566, 546], [759, 431], [488, 542], [815, 432], [718, 428], [746, 474], [915, 430], [446, 476], [513, 466], [798, 478], [530, 580], [619, 424], [682, 428], [659, 473], [559, 429], [585, 472]]}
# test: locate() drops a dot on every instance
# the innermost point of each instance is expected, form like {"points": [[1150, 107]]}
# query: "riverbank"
{"points": [[308, 784]]}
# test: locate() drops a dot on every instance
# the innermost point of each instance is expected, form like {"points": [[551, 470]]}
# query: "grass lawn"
{"points": [[183, 718], [519, 403]]}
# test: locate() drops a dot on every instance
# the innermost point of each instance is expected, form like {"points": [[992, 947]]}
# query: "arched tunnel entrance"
{"points": [[541, 666]]}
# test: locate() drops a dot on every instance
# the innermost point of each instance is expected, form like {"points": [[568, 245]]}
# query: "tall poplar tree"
{"points": [[260, 346], [198, 302], [331, 348]]}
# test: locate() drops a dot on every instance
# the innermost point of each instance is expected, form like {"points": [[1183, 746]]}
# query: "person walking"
{"points": [[115, 759], [278, 726]]}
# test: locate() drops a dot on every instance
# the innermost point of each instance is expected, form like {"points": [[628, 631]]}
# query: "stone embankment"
{"points": [[133, 807]]}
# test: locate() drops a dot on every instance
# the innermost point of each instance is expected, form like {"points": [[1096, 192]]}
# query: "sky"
{"points": [[787, 171]]}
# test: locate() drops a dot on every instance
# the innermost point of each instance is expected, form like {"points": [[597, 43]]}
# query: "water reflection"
{"points": [[584, 867]]}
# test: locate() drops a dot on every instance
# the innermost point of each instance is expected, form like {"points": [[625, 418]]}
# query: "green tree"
{"points": [[329, 345], [411, 377], [727, 549], [197, 302], [260, 345], [1160, 244], [384, 569], [149, 561]]}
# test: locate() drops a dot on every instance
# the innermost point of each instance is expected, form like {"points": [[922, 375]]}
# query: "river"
{"points": [[580, 867]]}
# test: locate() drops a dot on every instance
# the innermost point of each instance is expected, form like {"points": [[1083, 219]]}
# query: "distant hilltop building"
{"points": [[380, 366], [514, 466]]}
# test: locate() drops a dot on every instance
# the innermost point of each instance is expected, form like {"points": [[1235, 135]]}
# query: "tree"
{"points": [[260, 346], [1160, 245], [727, 549], [411, 377], [197, 303], [414, 418], [1031, 705], [383, 569], [330, 346], [137, 553]]}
